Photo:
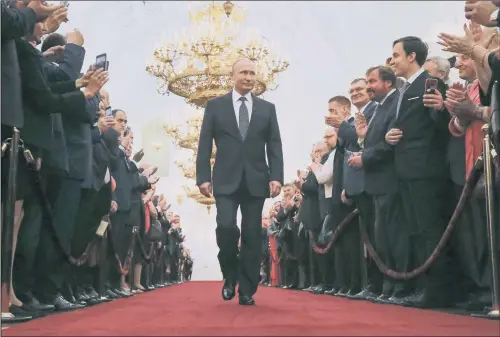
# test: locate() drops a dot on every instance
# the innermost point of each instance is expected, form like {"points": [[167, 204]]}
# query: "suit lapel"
{"points": [[414, 92], [253, 117], [231, 116]]}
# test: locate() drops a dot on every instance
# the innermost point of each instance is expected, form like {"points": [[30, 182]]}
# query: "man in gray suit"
{"points": [[244, 127]]}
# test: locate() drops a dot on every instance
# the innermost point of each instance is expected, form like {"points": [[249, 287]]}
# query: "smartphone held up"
{"points": [[431, 85]]}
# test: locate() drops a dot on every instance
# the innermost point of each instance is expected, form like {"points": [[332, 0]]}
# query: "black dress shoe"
{"points": [[80, 295], [382, 299], [319, 290], [72, 299], [228, 291], [62, 305], [246, 300], [396, 301], [342, 292], [91, 293], [331, 292], [32, 304], [120, 292], [9, 318], [363, 295], [110, 294], [23, 311]]}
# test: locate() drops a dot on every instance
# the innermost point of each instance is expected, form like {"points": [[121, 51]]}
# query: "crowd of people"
{"points": [[378, 214], [82, 221]]}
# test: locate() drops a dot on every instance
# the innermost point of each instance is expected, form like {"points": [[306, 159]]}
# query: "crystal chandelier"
{"points": [[197, 64]]}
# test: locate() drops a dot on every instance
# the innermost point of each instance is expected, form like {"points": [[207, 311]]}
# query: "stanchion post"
{"points": [[491, 220], [8, 219], [131, 268]]}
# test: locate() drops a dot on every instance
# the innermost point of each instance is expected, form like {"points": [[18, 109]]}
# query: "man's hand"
{"points": [[54, 20], [97, 80], [434, 101], [42, 10], [361, 126], [334, 120], [138, 155], [393, 136], [344, 198], [465, 109], [274, 189], [83, 81], [114, 207], [153, 180], [56, 50], [206, 189], [104, 123], [75, 37], [149, 171], [288, 203], [480, 12], [355, 160]]}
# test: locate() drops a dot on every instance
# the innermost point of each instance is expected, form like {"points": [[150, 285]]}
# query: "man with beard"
{"points": [[376, 157]]}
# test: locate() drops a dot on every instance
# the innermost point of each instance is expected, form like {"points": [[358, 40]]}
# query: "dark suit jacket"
{"points": [[347, 130], [309, 207], [378, 156], [236, 156], [105, 155], [16, 23], [71, 147], [69, 64], [338, 210], [421, 153], [41, 98]]}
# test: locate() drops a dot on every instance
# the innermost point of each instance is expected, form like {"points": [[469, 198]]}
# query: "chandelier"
{"points": [[197, 64]]}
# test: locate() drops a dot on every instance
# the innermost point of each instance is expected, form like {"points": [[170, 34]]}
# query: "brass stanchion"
{"points": [[8, 214], [488, 153]]}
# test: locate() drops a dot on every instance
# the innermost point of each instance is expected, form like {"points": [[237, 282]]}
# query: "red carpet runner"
{"points": [[196, 309]]}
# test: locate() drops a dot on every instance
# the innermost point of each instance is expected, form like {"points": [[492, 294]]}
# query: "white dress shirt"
{"points": [[324, 176], [414, 76], [237, 103], [362, 110]]}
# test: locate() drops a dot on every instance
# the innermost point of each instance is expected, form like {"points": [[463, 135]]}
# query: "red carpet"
{"points": [[196, 308]]}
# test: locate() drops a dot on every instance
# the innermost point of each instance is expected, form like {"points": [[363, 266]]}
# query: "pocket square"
{"points": [[413, 98]]}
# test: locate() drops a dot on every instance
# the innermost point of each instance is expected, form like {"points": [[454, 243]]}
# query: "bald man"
{"points": [[244, 128]]}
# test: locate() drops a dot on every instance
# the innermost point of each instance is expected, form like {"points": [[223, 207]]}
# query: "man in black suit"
{"points": [[16, 23], [376, 158], [244, 128], [419, 135]]}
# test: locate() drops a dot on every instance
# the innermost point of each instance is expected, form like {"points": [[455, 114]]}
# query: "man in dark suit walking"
{"points": [[244, 128]]}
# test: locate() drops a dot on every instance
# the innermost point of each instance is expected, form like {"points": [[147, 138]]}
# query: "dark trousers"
{"points": [[243, 268], [470, 244], [367, 218], [423, 204], [347, 255], [64, 197], [93, 206], [121, 233]]}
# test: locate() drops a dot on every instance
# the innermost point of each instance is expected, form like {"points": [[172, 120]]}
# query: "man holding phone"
{"points": [[419, 137]]}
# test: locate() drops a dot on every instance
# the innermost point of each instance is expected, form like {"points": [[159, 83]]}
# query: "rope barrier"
{"points": [[464, 197], [347, 220]]}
